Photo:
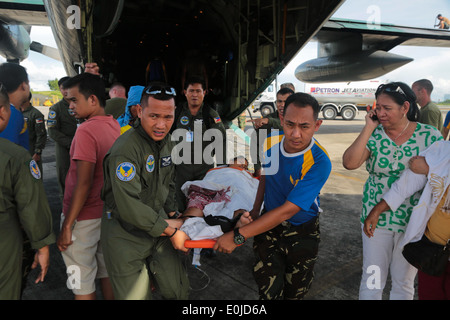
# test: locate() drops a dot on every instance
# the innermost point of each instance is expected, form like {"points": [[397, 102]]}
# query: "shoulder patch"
{"points": [[217, 120], [34, 169], [52, 115], [126, 171]]}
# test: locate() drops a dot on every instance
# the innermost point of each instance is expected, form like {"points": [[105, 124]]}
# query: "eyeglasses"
{"points": [[156, 89], [391, 88]]}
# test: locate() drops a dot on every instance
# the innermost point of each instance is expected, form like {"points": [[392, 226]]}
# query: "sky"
{"points": [[430, 63]]}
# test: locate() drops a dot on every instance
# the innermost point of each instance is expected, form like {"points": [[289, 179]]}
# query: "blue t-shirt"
{"points": [[16, 131], [295, 177]]}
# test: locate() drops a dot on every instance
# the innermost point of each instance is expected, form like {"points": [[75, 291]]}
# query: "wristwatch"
{"points": [[238, 238]]}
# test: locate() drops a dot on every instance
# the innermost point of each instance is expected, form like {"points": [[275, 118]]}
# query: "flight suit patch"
{"points": [[34, 169], [166, 161], [52, 115], [184, 121], [150, 164], [126, 171]]}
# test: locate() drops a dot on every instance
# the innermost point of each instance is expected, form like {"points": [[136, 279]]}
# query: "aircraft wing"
{"points": [[382, 36], [26, 12], [352, 50]]}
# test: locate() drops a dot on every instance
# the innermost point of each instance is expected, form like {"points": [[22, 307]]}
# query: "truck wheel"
{"points": [[329, 113], [348, 113], [266, 110]]}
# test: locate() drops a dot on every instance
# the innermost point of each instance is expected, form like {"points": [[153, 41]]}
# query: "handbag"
{"points": [[428, 257]]}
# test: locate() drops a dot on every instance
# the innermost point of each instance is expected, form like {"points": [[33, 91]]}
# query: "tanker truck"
{"points": [[335, 99], [344, 99]]}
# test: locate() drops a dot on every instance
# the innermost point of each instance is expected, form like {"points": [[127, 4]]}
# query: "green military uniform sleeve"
{"points": [[274, 120], [124, 175], [32, 204]]}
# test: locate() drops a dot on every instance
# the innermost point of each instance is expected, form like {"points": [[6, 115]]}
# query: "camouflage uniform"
{"points": [[290, 251]]}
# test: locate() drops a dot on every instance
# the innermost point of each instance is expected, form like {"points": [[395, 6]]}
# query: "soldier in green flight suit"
{"points": [[61, 128], [37, 131], [23, 204], [139, 241], [195, 149]]}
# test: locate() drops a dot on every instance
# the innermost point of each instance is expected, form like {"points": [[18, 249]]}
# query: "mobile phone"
{"points": [[374, 117]]}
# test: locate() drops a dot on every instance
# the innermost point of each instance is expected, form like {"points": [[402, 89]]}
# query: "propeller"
{"points": [[45, 50]]}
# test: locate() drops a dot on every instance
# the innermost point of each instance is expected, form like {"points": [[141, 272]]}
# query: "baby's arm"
{"points": [[419, 165]]}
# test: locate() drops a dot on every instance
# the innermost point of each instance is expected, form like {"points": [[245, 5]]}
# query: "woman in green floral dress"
{"points": [[390, 137]]}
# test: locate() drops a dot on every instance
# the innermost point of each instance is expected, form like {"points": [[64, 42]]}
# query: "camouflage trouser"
{"points": [[285, 258]]}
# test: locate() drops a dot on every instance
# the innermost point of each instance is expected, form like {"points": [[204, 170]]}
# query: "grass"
{"points": [[48, 93]]}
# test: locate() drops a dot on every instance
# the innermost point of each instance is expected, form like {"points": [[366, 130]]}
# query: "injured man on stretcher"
{"points": [[220, 202]]}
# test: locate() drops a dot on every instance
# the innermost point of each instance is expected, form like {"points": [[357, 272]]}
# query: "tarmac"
{"points": [[228, 277]]}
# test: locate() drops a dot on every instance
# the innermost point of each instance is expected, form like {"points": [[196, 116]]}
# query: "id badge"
{"points": [[189, 136]]}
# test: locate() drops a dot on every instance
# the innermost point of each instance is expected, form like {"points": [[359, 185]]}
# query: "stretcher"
{"points": [[200, 244]]}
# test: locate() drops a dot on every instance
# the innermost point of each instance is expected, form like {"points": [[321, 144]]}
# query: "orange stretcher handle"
{"points": [[204, 244]]}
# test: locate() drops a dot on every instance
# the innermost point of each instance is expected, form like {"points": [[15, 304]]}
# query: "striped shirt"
{"points": [[295, 177]]}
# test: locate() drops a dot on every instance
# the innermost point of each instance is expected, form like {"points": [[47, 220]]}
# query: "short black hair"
{"points": [[302, 100], [88, 84], [161, 88], [284, 91], [194, 80], [12, 75], [62, 81], [4, 98]]}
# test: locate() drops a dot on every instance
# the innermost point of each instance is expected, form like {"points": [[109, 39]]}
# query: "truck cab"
{"points": [[266, 101]]}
